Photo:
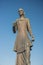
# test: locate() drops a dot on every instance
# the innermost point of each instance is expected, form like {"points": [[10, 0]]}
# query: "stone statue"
{"points": [[22, 44]]}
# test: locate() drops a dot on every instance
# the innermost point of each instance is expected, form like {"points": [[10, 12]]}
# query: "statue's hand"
{"points": [[14, 30], [33, 38]]}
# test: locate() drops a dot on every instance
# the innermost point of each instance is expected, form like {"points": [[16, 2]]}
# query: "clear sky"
{"points": [[8, 14]]}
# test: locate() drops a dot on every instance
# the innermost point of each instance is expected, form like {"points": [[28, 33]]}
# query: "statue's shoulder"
{"points": [[17, 19], [15, 22], [27, 19]]}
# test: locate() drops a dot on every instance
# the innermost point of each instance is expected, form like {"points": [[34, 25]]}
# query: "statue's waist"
{"points": [[22, 32]]}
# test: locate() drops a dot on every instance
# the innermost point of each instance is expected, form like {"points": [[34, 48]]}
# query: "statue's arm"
{"points": [[15, 27], [29, 29]]}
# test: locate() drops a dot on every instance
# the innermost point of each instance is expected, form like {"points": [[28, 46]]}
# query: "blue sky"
{"points": [[8, 14]]}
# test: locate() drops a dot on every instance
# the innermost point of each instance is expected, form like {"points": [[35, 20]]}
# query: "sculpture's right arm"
{"points": [[14, 27]]}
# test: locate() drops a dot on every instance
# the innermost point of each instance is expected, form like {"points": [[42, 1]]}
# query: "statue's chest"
{"points": [[21, 23]]}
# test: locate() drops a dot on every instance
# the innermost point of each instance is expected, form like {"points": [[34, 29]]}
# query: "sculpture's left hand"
{"points": [[33, 38]]}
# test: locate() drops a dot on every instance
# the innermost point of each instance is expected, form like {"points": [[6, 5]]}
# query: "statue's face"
{"points": [[21, 12]]}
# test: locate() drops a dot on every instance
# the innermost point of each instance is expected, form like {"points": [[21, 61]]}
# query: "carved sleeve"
{"points": [[29, 27]]}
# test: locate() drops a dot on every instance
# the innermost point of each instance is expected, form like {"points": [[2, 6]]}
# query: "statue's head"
{"points": [[21, 11]]}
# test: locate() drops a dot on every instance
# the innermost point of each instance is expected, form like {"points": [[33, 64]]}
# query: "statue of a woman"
{"points": [[22, 44]]}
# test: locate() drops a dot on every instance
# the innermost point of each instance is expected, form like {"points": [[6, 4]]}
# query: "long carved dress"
{"points": [[22, 43]]}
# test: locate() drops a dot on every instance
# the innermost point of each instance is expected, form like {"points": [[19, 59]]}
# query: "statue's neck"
{"points": [[22, 16]]}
